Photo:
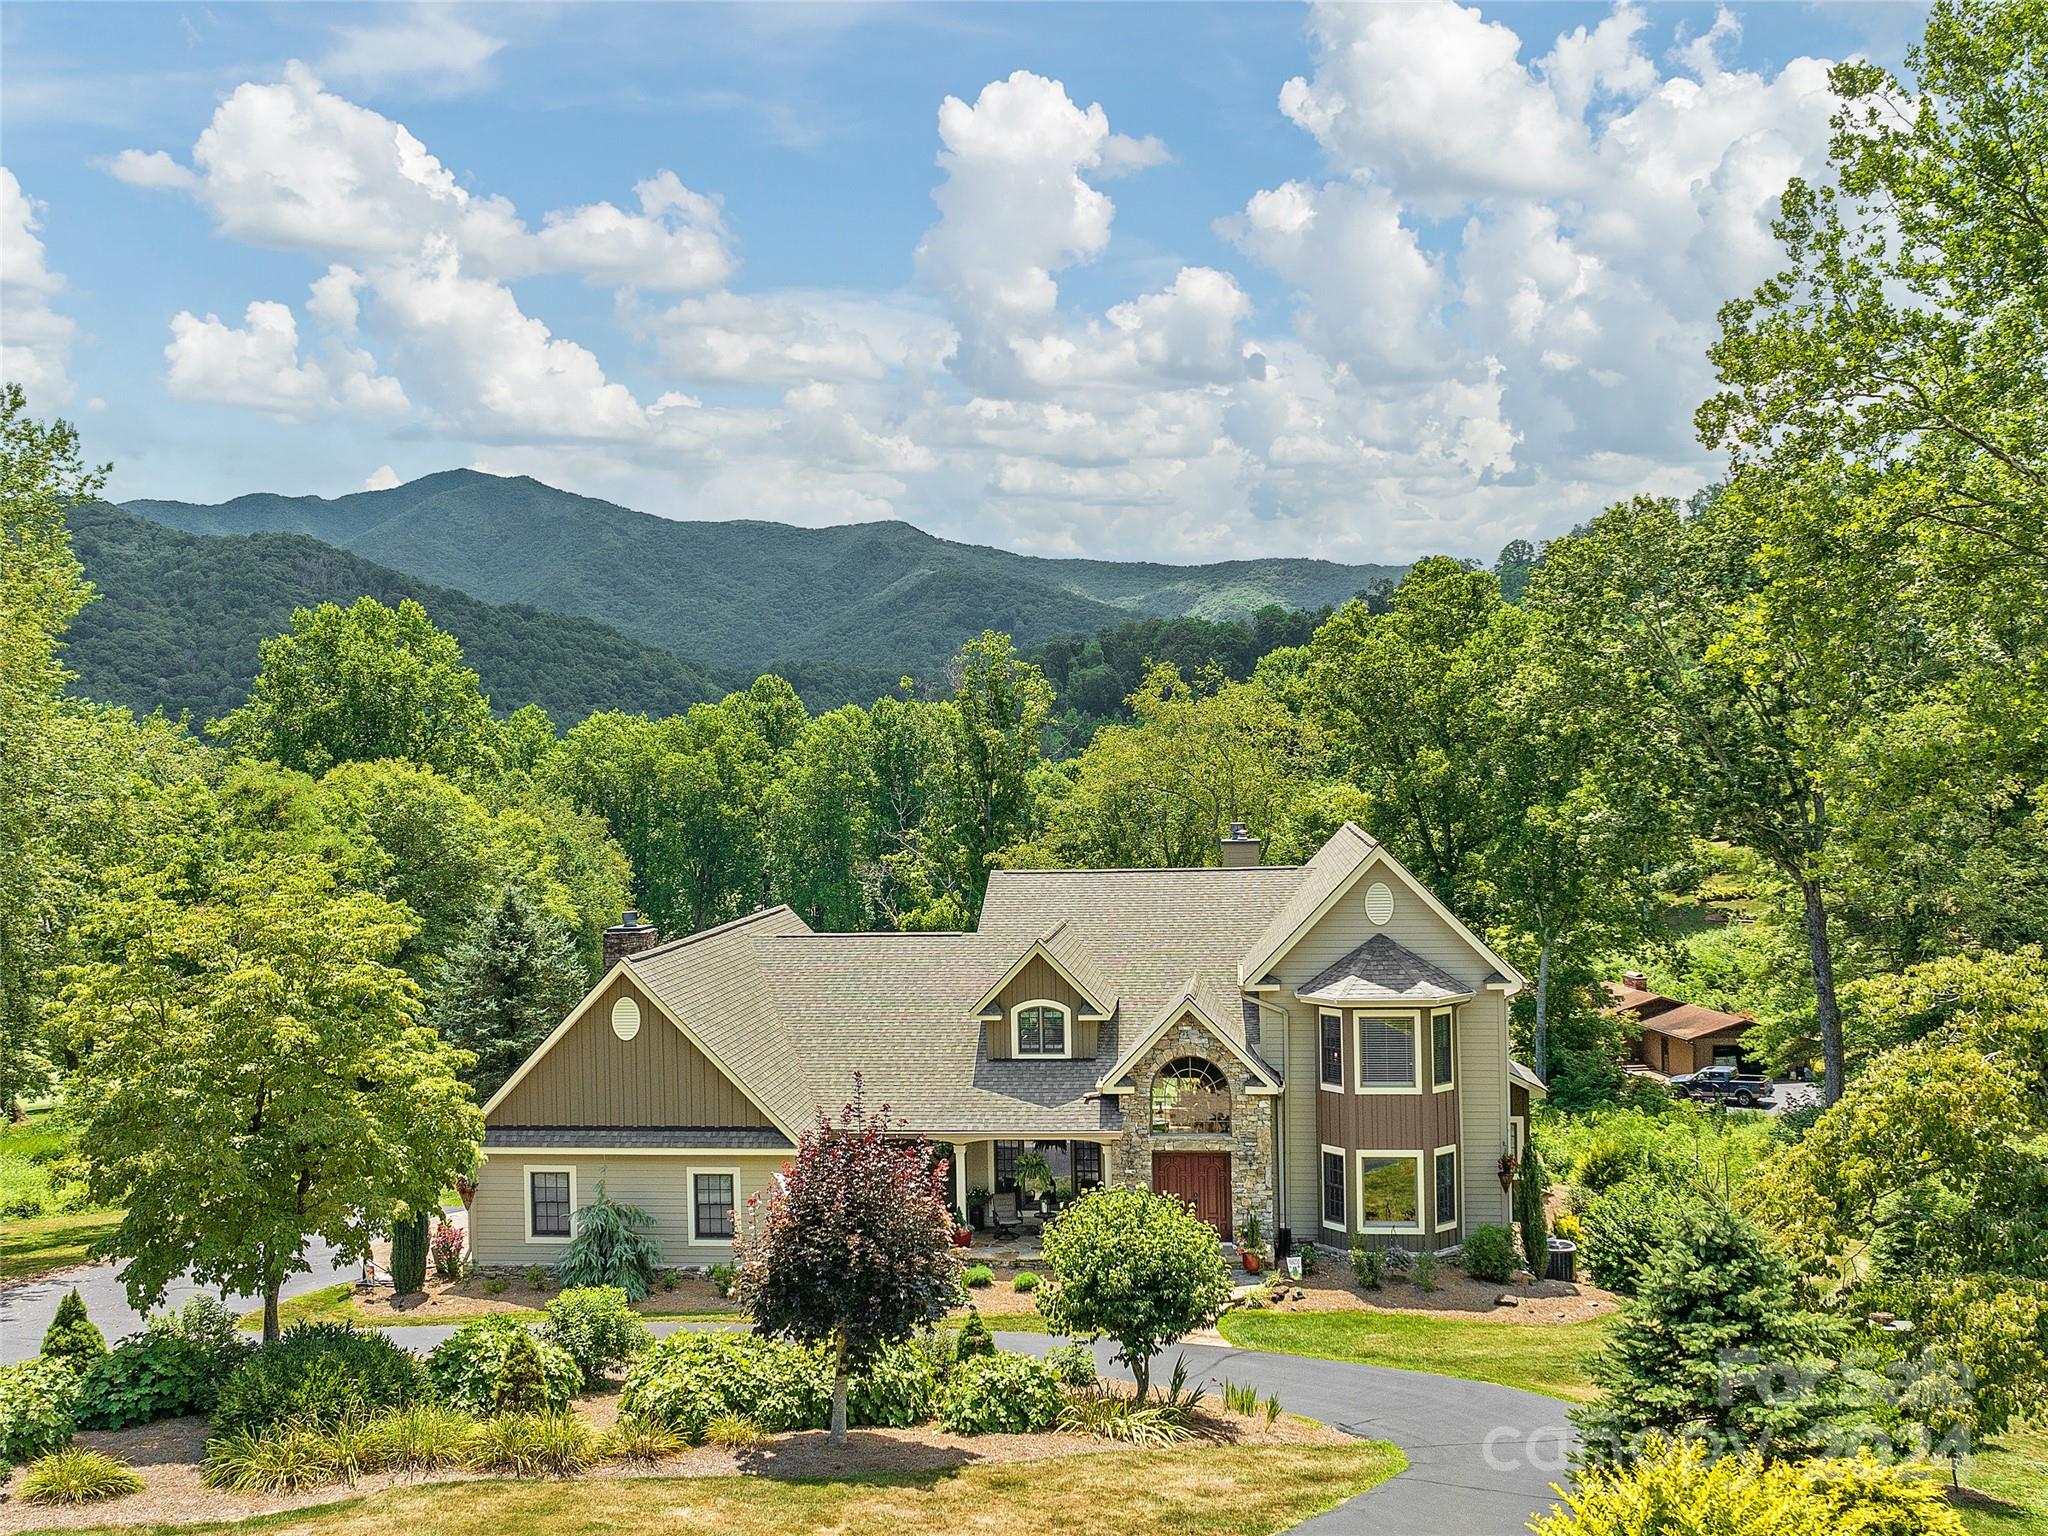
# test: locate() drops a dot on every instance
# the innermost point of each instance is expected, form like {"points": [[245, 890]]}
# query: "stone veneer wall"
{"points": [[1249, 1142]]}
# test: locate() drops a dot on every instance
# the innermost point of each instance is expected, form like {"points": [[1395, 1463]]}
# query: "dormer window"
{"points": [[1039, 1029]]}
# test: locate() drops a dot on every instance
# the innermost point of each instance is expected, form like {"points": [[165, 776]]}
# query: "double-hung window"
{"points": [[1386, 1052], [1333, 1188], [550, 1196], [1332, 1025], [1041, 1030], [711, 1206], [1442, 1056]]}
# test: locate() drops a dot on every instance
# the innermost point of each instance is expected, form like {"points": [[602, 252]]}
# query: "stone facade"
{"points": [[1253, 1167]]}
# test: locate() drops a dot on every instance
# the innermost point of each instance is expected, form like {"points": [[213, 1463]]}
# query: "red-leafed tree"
{"points": [[855, 1247]]}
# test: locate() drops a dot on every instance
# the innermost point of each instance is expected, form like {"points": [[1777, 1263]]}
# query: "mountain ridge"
{"points": [[748, 595]]}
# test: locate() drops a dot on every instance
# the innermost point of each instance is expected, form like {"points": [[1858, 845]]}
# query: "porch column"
{"points": [[960, 1179]]}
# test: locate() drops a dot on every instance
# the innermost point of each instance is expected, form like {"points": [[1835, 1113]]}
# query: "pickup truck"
{"points": [[1743, 1089]]}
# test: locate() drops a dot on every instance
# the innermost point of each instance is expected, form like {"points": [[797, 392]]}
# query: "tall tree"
{"points": [[253, 1076], [1001, 704], [821, 815], [41, 588], [364, 682], [510, 979]]}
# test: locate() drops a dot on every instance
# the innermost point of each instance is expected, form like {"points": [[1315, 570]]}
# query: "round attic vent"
{"points": [[1379, 903], [625, 1018]]}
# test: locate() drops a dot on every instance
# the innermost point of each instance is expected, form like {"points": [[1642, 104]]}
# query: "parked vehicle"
{"points": [[1746, 1090]]}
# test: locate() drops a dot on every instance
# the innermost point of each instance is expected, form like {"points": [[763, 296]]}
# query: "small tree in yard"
{"points": [[1137, 1267], [1532, 1184], [855, 1250], [72, 1337], [611, 1247]]}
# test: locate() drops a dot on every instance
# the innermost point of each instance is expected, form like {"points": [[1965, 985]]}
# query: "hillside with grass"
{"points": [[751, 595], [179, 617]]}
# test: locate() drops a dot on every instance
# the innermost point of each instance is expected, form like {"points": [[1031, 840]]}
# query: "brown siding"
{"points": [[592, 1077], [1040, 979]]}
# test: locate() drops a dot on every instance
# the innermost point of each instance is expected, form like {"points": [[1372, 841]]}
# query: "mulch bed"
{"points": [[1331, 1289], [453, 1300], [166, 1456]]}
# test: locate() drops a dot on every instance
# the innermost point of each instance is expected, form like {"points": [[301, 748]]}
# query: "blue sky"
{"points": [[1179, 282]]}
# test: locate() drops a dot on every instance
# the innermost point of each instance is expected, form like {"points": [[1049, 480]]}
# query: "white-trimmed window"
{"points": [[714, 1204], [1443, 1054], [1388, 1061], [1388, 1196], [1333, 1189], [1039, 1028], [550, 1204], [1330, 1027], [1446, 1188]]}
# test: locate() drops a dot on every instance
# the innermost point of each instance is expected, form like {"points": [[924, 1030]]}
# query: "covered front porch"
{"points": [[1005, 1188]]}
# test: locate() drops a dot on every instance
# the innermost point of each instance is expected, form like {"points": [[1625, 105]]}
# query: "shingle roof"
{"points": [[1333, 863], [1668, 1016], [738, 1138], [1382, 971]]}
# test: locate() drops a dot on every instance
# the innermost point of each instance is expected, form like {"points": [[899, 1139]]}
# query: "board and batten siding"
{"points": [[592, 1077], [1481, 1048], [1040, 979], [659, 1184]]}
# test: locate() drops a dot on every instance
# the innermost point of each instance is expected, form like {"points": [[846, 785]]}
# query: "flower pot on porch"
{"points": [[1250, 1258], [962, 1237]]}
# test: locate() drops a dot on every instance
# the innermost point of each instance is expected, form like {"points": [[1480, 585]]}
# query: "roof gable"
{"points": [[1060, 948], [1187, 1005]]}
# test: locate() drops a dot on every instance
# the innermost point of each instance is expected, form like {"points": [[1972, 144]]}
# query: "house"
{"points": [[1678, 1037], [1320, 1048]]}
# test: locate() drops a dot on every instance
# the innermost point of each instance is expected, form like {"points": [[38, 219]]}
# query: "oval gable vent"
{"points": [[625, 1018], [1379, 903]]}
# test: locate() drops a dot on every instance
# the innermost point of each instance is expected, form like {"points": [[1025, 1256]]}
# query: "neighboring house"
{"points": [[1322, 1048], [1678, 1037]]}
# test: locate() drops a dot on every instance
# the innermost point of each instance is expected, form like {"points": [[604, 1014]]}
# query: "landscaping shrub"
{"points": [[284, 1458], [1112, 1415], [409, 1254], [1025, 1283], [318, 1374], [1489, 1254], [1000, 1394], [37, 1403], [597, 1327], [71, 1336], [73, 1476], [975, 1339], [1679, 1487], [174, 1366], [611, 1247], [1073, 1364], [721, 1277], [1532, 1220], [975, 1276], [734, 1432], [496, 1365], [1368, 1267], [446, 1250], [536, 1445], [688, 1379], [422, 1437], [1605, 1162], [1624, 1229], [1426, 1267], [899, 1387], [638, 1439]]}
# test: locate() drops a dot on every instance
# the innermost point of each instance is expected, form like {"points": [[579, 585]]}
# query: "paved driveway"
{"points": [[1481, 1458], [26, 1310]]}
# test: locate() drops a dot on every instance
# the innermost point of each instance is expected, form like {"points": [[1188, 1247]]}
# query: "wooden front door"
{"points": [[1200, 1178]]}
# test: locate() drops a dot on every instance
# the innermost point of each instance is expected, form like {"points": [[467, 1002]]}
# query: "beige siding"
{"points": [[1482, 1056], [1039, 979], [659, 1185], [592, 1077]]}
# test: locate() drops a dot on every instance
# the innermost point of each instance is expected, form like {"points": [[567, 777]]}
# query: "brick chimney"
{"points": [[1241, 850], [628, 937], [1635, 979]]}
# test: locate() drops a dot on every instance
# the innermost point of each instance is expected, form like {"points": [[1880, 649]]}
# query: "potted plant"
{"points": [[1250, 1252], [977, 1205], [1034, 1177], [962, 1237]]}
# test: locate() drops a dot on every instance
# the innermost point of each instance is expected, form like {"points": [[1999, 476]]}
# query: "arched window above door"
{"points": [[1190, 1097]]}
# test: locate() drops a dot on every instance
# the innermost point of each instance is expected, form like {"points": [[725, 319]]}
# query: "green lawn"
{"points": [[44, 1227], [1211, 1491], [41, 1243], [1538, 1357], [2014, 1470]]}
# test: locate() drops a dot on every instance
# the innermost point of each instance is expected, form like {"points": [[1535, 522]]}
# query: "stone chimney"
{"points": [[628, 937], [1635, 979], [1241, 850]]}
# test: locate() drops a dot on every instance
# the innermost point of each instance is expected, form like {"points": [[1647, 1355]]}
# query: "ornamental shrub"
{"points": [[1625, 1229], [1368, 1266], [554, 1444], [446, 1250], [496, 1365], [318, 1375], [1679, 1486], [1489, 1253], [1136, 1267], [37, 1402], [409, 1253], [72, 1476], [1000, 1394], [1025, 1283], [976, 1276], [1073, 1363], [688, 1379], [597, 1327], [975, 1339], [1605, 1162], [611, 1247], [71, 1336], [897, 1388], [1532, 1184], [173, 1367]]}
